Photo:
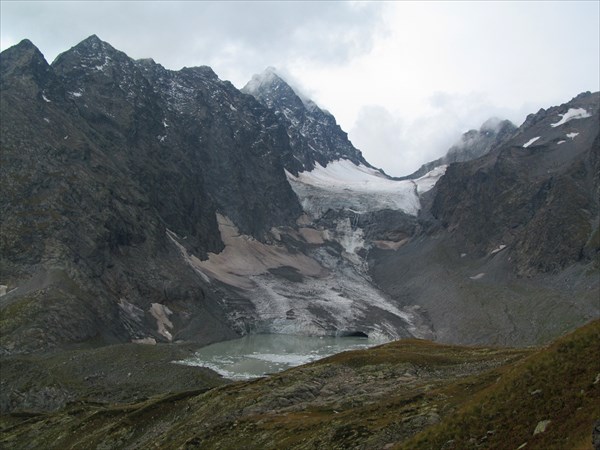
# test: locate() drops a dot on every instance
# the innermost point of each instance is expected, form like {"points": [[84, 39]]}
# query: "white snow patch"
{"points": [[350, 238], [572, 113], [103, 66], [479, 276], [165, 123], [572, 135], [530, 141], [233, 108], [46, 120], [161, 138], [66, 137], [560, 142], [429, 180], [499, 249], [75, 94], [46, 99], [345, 173]]}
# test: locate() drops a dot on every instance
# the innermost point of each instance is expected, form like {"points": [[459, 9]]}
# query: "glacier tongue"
{"points": [[322, 290]]}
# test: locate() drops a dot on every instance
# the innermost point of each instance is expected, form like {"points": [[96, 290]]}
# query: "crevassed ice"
{"points": [[364, 188]]}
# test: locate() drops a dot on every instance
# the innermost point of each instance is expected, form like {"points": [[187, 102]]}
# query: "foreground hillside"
{"points": [[406, 394]]}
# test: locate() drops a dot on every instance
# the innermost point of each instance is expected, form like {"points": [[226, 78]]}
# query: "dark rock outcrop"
{"points": [[536, 194]]}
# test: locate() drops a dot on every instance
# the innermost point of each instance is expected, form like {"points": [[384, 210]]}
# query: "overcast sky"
{"points": [[403, 79]]}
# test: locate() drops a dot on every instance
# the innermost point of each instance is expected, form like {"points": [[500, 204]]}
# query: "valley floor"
{"points": [[408, 394]]}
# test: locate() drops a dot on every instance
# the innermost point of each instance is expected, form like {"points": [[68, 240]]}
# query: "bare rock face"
{"points": [[536, 194], [101, 155], [507, 243]]}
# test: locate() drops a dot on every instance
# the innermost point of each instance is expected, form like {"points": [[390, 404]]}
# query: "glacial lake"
{"points": [[260, 354]]}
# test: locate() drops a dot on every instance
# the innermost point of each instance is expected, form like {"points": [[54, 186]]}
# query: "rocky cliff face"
{"points": [[101, 157], [537, 194]]}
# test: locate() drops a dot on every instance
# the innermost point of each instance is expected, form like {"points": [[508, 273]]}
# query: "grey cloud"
{"points": [[401, 143], [250, 34]]}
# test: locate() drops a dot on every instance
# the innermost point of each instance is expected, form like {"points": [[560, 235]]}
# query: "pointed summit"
{"points": [[91, 52], [25, 45], [94, 43], [273, 91], [23, 53], [267, 79], [93, 39], [314, 134], [24, 63]]}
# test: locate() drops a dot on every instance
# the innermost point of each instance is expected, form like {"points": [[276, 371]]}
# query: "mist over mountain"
{"points": [[145, 205], [472, 144]]}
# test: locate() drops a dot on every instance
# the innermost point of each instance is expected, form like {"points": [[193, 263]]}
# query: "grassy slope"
{"points": [[408, 394], [109, 374], [560, 383]]}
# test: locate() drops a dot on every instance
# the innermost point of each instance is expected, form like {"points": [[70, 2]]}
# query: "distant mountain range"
{"points": [[141, 204]]}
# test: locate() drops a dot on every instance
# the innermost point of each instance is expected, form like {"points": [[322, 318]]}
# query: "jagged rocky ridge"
{"points": [[315, 137], [167, 205], [142, 176]]}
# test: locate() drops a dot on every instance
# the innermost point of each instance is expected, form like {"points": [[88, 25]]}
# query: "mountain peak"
{"points": [[92, 49], [266, 81], [26, 44], [314, 135], [96, 46], [25, 48], [25, 60], [203, 71], [94, 42]]}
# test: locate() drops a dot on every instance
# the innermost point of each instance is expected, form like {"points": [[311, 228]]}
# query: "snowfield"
{"points": [[345, 185], [530, 141], [572, 113]]}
